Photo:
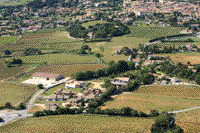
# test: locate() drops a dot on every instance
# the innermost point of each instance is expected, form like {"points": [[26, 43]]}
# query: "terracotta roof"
{"points": [[46, 75]]}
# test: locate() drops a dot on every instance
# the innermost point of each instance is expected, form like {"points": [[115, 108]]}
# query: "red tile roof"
{"points": [[46, 75]]}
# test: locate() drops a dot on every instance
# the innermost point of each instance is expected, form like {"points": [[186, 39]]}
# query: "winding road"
{"points": [[15, 115]]}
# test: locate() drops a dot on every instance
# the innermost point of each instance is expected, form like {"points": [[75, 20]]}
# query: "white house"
{"points": [[175, 80], [73, 84]]}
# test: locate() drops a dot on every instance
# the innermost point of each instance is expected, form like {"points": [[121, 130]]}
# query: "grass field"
{"points": [[15, 92], [193, 57], [115, 44], [148, 102], [171, 90], [67, 70], [62, 58], [79, 124], [153, 32], [93, 23]]}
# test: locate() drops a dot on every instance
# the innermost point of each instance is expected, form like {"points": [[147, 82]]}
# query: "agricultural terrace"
{"points": [[79, 123], [193, 57], [93, 23], [148, 102], [6, 72], [51, 59], [15, 92], [153, 32], [67, 70]]}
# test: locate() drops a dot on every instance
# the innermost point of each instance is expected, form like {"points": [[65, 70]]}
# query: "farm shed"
{"points": [[47, 76]]}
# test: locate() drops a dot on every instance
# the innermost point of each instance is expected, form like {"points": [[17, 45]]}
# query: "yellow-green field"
{"points": [[79, 124], [15, 92], [186, 91], [193, 57], [146, 103], [93, 23], [6, 40], [6, 72], [62, 58], [153, 32]]}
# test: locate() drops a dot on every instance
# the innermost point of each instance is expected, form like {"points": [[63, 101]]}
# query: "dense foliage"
{"points": [[165, 122]]}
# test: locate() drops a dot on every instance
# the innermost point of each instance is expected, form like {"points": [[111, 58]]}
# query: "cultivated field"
{"points": [[6, 72], [15, 92], [153, 32], [67, 70], [146, 103], [79, 124], [6, 40], [93, 23], [186, 91], [193, 57], [62, 58], [44, 39]]}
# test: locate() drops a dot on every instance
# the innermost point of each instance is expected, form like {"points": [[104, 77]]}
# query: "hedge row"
{"points": [[126, 111]]}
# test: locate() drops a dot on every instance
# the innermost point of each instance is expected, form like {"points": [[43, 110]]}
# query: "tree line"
{"points": [[105, 30]]}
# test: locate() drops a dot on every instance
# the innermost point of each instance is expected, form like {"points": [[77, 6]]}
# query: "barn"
{"points": [[47, 77]]}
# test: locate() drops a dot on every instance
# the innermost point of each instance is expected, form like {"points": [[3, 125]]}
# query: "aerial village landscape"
{"points": [[81, 66]]}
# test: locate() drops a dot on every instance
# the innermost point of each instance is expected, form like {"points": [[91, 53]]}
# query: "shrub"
{"points": [[154, 113], [21, 106]]}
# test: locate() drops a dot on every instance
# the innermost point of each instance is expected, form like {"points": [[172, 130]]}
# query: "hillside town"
{"points": [[124, 66]]}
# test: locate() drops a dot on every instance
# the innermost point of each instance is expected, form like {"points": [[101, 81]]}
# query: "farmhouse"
{"points": [[73, 84], [47, 77], [119, 81]]}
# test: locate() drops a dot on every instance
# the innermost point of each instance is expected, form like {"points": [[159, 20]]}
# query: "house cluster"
{"points": [[141, 7], [70, 98]]}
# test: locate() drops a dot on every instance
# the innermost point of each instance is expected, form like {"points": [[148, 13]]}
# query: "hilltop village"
{"points": [[125, 66]]}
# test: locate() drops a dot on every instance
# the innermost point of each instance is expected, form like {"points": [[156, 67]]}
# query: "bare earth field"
{"points": [[79, 123], [67, 70], [15, 92]]}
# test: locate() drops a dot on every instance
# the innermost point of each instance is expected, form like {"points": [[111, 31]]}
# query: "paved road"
{"points": [[15, 115]]}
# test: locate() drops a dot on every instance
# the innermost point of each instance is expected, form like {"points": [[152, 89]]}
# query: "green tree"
{"points": [[126, 111], [165, 122], [1, 119], [7, 52], [40, 86], [8, 105], [21, 106], [197, 79], [131, 65]]}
